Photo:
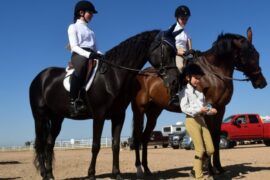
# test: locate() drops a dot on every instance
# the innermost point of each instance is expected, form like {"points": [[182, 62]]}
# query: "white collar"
{"points": [[178, 27], [79, 21]]}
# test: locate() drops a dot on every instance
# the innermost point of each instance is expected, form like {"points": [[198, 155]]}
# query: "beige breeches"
{"points": [[202, 141]]}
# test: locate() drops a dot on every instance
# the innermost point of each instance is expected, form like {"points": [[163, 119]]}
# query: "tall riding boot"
{"points": [[74, 90], [174, 100]]}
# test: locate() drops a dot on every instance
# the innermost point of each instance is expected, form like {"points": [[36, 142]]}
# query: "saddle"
{"points": [[91, 72], [90, 68]]}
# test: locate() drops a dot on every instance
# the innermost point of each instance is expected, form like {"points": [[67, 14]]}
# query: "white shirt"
{"points": [[191, 100], [81, 36], [182, 38]]}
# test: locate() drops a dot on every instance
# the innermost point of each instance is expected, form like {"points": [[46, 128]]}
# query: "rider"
{"points": [[83, 47], [193, 104], [182, 42]]}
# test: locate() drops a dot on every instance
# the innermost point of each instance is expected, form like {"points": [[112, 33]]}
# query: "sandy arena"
{"points": [[242, 162]]}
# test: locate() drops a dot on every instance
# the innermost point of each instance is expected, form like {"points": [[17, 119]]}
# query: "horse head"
{"points": [[247, 60], [162, 51]]}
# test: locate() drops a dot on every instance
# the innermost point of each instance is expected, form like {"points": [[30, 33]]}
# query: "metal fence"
{"points": [[68, 144]]}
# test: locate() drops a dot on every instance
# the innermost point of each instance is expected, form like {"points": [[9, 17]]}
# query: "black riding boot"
{"points": [[76, 104], [174, 99]]}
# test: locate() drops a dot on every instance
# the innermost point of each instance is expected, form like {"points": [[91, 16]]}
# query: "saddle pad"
{"points": [[66, 81]]}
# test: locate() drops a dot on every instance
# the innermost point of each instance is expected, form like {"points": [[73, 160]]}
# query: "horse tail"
{"points": [[41, 120]]}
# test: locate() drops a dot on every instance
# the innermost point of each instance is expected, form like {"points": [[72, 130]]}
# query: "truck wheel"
{"points": [[192, 146], [224, 142], [175, 147], [267, 142], [164, 145]]}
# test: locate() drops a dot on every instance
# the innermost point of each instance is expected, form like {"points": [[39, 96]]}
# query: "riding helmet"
{"points": [[193, 69], [84, 6], [182, 11]]}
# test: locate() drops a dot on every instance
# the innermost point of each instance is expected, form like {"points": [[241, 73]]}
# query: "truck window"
{"points": [[241, 120], [253, 119], [178, 129], [228, 119]]}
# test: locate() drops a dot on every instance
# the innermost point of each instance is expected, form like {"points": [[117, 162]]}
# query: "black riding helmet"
{"points": [[83, 6], [193, 69], [182, 11]]}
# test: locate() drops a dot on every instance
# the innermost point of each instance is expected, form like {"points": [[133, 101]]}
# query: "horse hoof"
{"points": [[91, 177], [148, 173], [118, 177], [139, 173], [218, 171]]}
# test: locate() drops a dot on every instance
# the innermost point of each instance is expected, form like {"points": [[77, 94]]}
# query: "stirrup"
{"points": [[79, 105], [174, 101], [72, 109]]}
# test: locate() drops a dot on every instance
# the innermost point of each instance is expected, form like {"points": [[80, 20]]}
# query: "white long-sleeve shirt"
{"points": [[81, 36], [182, 38], [191, 100]]}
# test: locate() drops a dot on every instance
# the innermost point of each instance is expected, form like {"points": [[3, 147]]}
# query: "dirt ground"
{"points": [[242, 162]]}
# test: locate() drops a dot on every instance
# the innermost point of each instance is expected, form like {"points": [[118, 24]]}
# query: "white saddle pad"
{"points": [[66, 81]]}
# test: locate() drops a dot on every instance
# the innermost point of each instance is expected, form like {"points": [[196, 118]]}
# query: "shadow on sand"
{"points": [[238, 171]]}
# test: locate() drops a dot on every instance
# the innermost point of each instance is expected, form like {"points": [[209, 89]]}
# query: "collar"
{"points": [[191, 88], [79, 21], [178, 27]]}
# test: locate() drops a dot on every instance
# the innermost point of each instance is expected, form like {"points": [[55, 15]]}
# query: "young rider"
{"points": [[182, 42], [193, 104], [83, 47]]}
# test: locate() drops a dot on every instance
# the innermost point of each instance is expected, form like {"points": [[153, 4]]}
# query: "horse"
{"points": [[150, 96], [108, 97]]}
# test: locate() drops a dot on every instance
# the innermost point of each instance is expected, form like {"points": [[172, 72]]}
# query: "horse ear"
{"points": [[249, 34]]}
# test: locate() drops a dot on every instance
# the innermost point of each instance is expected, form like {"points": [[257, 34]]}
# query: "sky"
{"points": [[33, 36]]}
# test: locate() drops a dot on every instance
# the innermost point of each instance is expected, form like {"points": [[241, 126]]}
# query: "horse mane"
{"points": [[223, 45], [131, 47]]}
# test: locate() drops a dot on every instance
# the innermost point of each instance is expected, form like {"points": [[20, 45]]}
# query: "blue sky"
{"points": [[33, 36]]}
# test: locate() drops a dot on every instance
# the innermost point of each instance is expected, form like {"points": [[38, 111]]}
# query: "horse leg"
{"points": [[56, 124], [214, 124], [152, 115], [138, 121], [117, 124], [42, 130], [97, 131], [216, 140]]}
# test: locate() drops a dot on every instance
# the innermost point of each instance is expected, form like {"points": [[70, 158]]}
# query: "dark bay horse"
{"points": [[229, 52], [108, 97]]}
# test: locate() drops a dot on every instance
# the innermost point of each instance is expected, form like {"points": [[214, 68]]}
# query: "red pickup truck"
{"points": [[241, 127]]}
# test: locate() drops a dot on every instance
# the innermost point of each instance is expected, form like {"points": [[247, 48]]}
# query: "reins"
{"points": [[223, 77], [162, 69]]}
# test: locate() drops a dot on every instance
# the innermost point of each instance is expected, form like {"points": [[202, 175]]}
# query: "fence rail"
{"points": [[68, 144]]}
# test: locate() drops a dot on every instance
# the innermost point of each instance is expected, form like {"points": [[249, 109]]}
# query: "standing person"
{"points": [[182, 42], [82, 43], [193, 104]]}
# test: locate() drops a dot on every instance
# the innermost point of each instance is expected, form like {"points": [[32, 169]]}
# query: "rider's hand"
{"points": [[95, 55], [180, 51], [204, 109]]}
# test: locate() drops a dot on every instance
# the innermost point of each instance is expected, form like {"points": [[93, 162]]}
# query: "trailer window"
{"points": [[167, 129]]}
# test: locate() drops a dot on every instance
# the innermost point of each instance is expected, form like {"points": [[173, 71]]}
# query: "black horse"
{"points": [[108, 97]]}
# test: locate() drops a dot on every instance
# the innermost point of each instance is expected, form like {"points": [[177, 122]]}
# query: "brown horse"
{"points": [[229, 52]]}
